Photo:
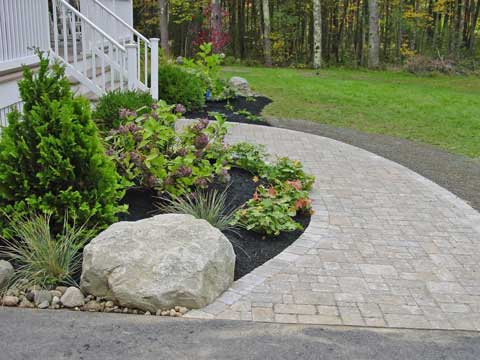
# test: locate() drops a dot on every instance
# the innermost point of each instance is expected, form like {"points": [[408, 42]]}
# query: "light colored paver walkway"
{"points": [[386, 247]]}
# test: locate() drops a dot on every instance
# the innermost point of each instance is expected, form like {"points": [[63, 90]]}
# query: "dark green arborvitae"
{"points": [[51, 156]]}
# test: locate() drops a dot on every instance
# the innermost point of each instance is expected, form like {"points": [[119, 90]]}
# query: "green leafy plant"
{"points": [[51, 157], [272, 209], [206, 65], [149, 153], [211, 206], [248, 115], [108, 110], [248, 157], [180, 86], [41, 258], [286, 169], [229, 106]]}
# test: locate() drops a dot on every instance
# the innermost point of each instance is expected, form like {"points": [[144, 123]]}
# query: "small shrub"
{"points": [[248, 115], [51, 157], [179, 86], [41, 258], [107, 112], [206, 65], [149, 153], [422, 65], [272, 209], [211, 206], [230, 60]]}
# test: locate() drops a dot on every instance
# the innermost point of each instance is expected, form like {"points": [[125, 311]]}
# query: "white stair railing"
{"points": [[124, 33], [99, 62]]}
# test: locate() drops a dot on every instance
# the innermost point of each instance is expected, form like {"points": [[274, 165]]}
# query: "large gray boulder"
{"points": [[158, 263], [240, 86], [6, 272]]}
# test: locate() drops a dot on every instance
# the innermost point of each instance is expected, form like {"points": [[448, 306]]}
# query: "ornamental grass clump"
{"points": [[211, 206], [51, 157], [40, 257]]}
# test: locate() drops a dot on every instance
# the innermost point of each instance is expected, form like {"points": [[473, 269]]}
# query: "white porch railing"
{"points": [[100, 59], [6, 110], [115, 18], [24, 25]]}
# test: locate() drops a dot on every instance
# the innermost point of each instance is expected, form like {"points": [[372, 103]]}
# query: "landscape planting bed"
{"points": [[252, 249], [231, 108]]}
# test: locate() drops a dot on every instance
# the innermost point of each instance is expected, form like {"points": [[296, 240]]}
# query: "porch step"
{"points": [[14, 74]]}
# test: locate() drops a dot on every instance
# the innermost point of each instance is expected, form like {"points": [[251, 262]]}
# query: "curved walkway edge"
{"points": [[456, 173], [385, 248]]}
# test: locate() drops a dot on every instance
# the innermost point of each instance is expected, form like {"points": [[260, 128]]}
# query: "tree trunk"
{"points": [[317, 34], [460, 24], [400, 31], [216, 25], [473, 26], [413, 43], [164, 39], [373, 38], [267, 44]]}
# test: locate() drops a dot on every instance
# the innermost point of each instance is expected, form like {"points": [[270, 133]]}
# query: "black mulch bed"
{"points": [[254, 105], [252, 249]]}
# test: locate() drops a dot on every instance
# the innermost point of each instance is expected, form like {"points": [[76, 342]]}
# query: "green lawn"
{"points": [[442, 111]]}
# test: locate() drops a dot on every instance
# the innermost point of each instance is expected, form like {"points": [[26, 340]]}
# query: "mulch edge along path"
{"points": [[456, 173], [252, 249]]}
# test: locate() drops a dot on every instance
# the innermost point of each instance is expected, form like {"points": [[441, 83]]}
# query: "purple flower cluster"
{"points": [[180, 109], [169, 180], [184, 171], [182, 152], [125, 129], [225, 175], [201, 182], [201, 125], [126, 113], [201, 141], [136, 158], [150, 181]]}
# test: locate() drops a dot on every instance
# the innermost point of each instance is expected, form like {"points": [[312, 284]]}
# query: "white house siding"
{"points": [[24, 25]]}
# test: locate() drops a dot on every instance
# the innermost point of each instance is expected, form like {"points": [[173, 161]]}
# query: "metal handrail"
{"points": [[123, 22]]}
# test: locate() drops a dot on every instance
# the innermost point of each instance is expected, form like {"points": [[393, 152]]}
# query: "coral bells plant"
{"points": [[272, 208]]}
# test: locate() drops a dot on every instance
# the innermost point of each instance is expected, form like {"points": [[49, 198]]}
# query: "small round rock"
{"points": [[10, 300]]}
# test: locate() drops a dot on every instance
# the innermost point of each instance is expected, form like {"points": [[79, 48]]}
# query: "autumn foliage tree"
{"points": [[351, 32]]}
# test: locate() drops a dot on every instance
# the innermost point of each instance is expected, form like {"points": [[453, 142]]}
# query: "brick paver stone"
{"points": [[386, 247]]}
